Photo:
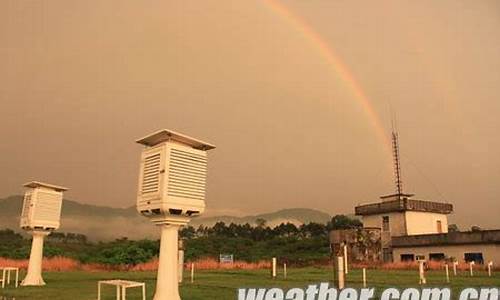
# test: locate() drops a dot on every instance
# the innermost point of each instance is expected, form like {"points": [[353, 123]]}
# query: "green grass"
{"points": [[223, 284]]}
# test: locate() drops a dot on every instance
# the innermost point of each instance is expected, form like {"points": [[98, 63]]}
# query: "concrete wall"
{"points": [[425, 222], [491, 252], [396, 222]]}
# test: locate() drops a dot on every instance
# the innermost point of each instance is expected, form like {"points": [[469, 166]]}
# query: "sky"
{"points": [[298, 96]]}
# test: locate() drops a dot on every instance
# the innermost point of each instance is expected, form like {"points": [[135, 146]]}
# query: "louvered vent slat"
{"points": [[187, 174], [151, 174]]}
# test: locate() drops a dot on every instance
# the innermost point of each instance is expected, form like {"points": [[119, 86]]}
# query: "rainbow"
{"points": [[332, 59]]}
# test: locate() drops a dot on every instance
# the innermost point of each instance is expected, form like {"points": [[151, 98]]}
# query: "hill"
{"points": [[108, 223]]}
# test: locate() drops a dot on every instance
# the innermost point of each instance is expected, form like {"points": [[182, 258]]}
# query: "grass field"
{"points": [[223, 284]]}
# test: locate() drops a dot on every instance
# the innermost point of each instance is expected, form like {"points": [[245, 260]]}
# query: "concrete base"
{"points": [[34, 276], [167, 282]]}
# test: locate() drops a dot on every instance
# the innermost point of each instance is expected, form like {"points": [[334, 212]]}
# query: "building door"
{"points": [[439, 226]]}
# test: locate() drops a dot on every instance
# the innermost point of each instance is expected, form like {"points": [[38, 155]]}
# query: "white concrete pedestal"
{"points": [[167, 282], [34, 276]]}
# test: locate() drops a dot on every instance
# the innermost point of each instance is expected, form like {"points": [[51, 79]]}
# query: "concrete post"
{"points": [[284, 271], [455, 264], [447, 273], [490, 265], [364, 277], [346, 270], [471, 264], [167, 282], [421, 272], [34, 275], [340, 272], [273, 271], [192, 272]]}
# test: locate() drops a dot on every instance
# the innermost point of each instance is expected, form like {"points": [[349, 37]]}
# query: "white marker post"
{"points": [[284, 271], [455, 264], [273, 270], [471, 264], [490, 265], [421, 272], [364, 277], [192, 272], [346, 270], [447, 273], [340, 272], [180, 272]]}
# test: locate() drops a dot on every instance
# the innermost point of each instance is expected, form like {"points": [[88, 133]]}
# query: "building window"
{"points": [[436, 256], [439, 226], [385, 223], [476, 257], [420, 257], [407, 257], [387, 255]]}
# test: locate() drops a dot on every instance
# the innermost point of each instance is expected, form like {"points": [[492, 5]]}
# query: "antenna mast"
{"points": [[397, 164]]}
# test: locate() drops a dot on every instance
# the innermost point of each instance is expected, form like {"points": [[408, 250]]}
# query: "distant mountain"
{"points": [[107, 223]]}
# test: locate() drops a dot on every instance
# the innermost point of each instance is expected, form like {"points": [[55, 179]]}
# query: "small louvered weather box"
{"points": [[42, 206], [172, 176]]}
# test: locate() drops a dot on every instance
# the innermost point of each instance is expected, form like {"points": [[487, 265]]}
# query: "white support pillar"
{"points": [[364, 277], [447, 273], [421, 271], [471, 265], [490, 266], [340, 273], [34, 275], [192, 272], [284, 271], [273, 271], [167, 282], [346, 270], [455, 264], [180, 272]]}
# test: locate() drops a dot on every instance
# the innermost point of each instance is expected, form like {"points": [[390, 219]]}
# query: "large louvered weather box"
{"points": [[42, 206], [172, 176]]}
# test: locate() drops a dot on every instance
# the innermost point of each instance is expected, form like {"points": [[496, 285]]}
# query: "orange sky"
{"points": [[80, 81]]}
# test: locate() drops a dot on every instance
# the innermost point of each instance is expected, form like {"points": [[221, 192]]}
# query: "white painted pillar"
{"points": [[284, 271], [447, 273], [340, 272], [167, 281], [273, 271], [421, 272], [490, 265], [364, 277], [455, 264], [346, 270], [180, 271], [34, 275], [471, 264], [192, 272]]}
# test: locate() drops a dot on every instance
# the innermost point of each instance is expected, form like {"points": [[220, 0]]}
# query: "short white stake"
{"points": [[490, 265], [273, 271], [284, 271], [340, 272], [455, 264], [180, 271], [192, 272], [346, 270], [471, 264], [364, 277], [421, 272], [447, 273]]}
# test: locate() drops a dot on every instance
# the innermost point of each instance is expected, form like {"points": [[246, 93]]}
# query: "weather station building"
{"points": [[412, 229]]}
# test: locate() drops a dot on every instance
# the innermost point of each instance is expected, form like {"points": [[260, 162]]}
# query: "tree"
{"points": [[344, 222]]}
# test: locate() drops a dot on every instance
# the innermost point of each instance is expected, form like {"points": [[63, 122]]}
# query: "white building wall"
{"points": [[491, 252], [396, 222], [425, 222]]}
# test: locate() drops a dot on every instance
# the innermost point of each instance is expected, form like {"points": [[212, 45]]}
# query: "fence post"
{"points": [[346, 270], [447, 273], [192, 272], [364, 277], [340, 272], [471, 264], [284, 271], [273, 271], [455, 264]]}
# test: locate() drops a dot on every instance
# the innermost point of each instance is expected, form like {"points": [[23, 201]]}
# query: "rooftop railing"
{"points": [[404, 205]]}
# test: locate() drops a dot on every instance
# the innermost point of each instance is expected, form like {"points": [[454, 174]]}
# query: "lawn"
{"points": [[223, 284]]}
